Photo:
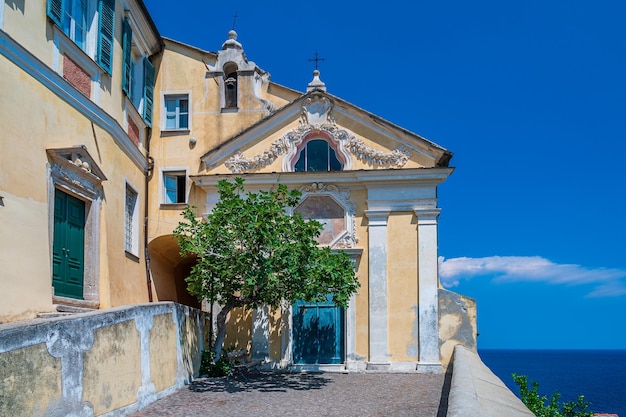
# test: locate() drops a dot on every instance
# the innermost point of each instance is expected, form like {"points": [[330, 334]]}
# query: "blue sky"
{"points": [[531, 98]]}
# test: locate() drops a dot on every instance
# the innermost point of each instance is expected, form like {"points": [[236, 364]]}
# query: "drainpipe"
{"points": [[149, 172]]}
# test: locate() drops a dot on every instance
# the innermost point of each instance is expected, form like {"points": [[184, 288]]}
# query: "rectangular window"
{"points": [[90, 24], [175, 184], [75, 21], [131, 229], [176, 112]]}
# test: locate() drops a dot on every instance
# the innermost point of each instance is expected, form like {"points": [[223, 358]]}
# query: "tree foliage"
{"points": [[251, 252], [541, 406]]}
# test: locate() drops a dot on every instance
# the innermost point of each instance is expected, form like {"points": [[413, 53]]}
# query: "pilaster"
{"points": [[378, 326], [428, 310]]}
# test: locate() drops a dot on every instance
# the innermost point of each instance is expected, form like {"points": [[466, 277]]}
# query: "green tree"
{"points": [[251, 252], [541, 406]]}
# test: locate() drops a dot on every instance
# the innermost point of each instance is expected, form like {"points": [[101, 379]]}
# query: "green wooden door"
{"points": [[318, 333], [68, 247]]}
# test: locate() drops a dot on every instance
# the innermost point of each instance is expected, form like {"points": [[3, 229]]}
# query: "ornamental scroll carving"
{"points": [[347, 144]]}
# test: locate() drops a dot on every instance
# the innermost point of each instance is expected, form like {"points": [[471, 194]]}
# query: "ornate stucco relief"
{"points": [[348, 145], [316, 116]]}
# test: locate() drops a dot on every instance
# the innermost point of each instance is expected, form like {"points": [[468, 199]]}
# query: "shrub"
{"points": [[541, 406], [209, 367]]}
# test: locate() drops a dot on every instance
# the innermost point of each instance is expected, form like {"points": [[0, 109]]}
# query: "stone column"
{"points": [[428, 304], [378, 328]]}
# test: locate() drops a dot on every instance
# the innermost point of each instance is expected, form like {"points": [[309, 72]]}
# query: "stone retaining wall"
{"points": [[103, 363]]}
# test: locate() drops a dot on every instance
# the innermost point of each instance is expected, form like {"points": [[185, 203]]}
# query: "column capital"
{"points": [[427, 216], [377, 217]]}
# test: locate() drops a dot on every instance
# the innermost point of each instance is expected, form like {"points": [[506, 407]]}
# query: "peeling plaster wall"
{"points": [[457, 324], [118, 360]]}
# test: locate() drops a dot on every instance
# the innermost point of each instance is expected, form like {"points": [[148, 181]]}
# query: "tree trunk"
{"points": [[221, 330]]}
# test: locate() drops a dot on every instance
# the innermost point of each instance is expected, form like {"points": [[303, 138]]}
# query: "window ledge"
{"points": [[175, 132], [173, 206], [132, 256]]}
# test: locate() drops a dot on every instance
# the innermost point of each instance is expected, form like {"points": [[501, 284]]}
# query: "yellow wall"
{"points": [[26, 371], [112, 367], [402, 290], [101, 355], [362, 297], [34, 119], [238, 329], [163, 364]]}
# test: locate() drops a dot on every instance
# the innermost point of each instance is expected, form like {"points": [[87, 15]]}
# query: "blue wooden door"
{"points": [[318, 333], [68, 246]]}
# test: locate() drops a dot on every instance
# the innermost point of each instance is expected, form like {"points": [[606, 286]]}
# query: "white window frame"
{"points": [[174, 171], [131, 222], [91, 36], [175, 94]]}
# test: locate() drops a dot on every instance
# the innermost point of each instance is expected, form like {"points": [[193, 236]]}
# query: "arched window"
{"points": [[317, 155], [230, 86]]}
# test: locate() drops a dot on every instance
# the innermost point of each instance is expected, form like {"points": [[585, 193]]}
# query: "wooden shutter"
{"points": [[148, 91], [106, 31], [127, 43], [55, 11]]}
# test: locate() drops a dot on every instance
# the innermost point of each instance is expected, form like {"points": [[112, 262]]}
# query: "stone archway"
{"points": [[169, 271]]}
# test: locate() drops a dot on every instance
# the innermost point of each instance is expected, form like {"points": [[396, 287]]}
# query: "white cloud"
{"points": [[606, 281]]}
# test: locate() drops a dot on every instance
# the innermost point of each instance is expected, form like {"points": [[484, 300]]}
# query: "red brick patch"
{"points": [[77, 76], [133, 131]]}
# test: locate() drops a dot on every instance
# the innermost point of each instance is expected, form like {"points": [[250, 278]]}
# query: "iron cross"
{"points": [[316, 59]]}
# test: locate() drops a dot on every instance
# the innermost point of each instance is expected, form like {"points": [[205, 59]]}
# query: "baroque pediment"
{"points": [[366, 144]]}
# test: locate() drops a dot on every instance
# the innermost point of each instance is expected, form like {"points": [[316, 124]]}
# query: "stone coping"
{"points": [[475, 391]]}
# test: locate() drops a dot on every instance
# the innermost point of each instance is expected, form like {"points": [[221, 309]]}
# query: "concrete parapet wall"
{"points": [[105, 363], [475, 391]]}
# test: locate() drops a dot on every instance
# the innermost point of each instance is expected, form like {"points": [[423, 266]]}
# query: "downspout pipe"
{"points": [[148, 176], [150, 167]]}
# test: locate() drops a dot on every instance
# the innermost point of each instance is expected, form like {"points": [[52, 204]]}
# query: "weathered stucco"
{"points": [[112, 367], [117, 360], [457, 323], [163, 364], [25, 371]]}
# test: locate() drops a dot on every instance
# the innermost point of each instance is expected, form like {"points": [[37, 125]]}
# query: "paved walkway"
{"points": [[300, 394]]}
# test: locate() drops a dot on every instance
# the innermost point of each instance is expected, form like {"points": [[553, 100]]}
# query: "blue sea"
{"points": [[599, 375]]}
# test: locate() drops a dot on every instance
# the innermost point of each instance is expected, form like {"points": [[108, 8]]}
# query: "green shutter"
{"points": [[127, 43], [106, 31], [148, 91], [55, 11]]}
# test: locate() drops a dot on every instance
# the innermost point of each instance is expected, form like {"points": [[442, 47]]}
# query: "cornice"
{"points": [[352, 179]]}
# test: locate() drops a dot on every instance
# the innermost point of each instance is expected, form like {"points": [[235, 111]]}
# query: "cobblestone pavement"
{"points": [[307, 394]]}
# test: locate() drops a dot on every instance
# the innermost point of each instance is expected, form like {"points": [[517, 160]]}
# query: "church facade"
{"points": [[153, 130]]}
